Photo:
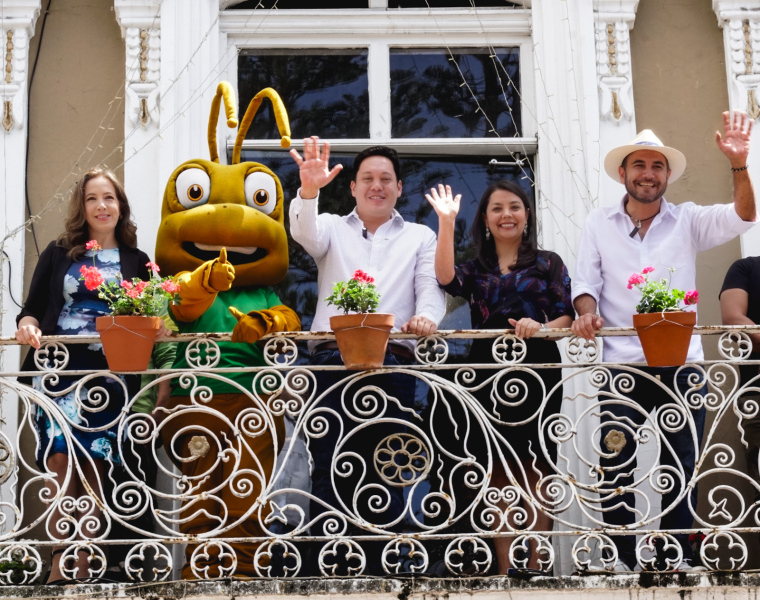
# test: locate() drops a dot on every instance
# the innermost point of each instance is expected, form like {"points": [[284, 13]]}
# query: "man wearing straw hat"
{"points": [[644, 230]]}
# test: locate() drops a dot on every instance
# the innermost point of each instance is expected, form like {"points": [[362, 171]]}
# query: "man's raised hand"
{"points": [[443, 201], [314, 167], [735, 141]]}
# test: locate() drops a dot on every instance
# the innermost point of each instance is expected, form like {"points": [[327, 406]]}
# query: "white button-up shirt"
{"points": [[400, 256], [608, 256]]}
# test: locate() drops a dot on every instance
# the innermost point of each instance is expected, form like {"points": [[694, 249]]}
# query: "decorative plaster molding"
{"points": [[308, 24], [740, 21], [16, 28], [613, 20], [140, 24]]}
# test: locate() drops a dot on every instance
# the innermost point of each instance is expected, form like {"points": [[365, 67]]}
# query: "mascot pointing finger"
{"points": [[222, 236]]}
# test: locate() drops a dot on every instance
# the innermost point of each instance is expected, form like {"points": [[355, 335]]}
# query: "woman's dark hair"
{"points": [[77, 233], [486, 249]]}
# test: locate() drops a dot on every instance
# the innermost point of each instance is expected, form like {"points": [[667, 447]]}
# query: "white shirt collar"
{"points": [[666, 208], [353, 215]]}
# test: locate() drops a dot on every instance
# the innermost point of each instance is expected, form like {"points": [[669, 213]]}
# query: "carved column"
{"points": [[568, 159], [613, 20], [567, 121], [140, 22], [740, 21], [17, 21]]}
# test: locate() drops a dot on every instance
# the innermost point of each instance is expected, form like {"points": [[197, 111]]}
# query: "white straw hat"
{"points": [[646, 140]]}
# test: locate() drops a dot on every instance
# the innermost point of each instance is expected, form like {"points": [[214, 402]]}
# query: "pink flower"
{"points": [[93, 245], [362, 277], [170, 287], [92, 277], [140, 286], [647, 270], [691, 297], [153, 266], [635, 279], [127, 285], [133, 293]]}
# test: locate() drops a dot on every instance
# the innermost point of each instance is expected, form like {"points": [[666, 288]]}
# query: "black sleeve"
{"points": [[738, 276], [39, 290], [143, 272]]}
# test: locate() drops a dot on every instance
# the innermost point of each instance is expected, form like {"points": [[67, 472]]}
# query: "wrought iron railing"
{"points": [[429, 483]]}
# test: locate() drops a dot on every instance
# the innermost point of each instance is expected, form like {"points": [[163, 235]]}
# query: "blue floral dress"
{"points": [[81, 308]]}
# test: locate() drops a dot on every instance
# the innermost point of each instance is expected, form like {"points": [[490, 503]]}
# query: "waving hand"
{"points": [[314, 167], [735, 141]]}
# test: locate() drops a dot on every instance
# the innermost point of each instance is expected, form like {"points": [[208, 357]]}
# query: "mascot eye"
{"points": [[261, 192], [193, 187]]}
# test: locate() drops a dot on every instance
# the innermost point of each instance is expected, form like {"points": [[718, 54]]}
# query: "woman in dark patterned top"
{"points": [[511, 284]]}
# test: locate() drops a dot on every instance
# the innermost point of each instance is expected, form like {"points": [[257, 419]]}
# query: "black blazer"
{"points": [[45, 299]]}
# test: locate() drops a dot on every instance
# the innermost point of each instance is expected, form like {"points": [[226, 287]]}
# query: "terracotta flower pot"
{"points": [[127, 340], [362, 339], [665, 337]]}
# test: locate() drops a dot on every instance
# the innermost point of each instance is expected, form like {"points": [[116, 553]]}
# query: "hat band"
{"points": [[648, 144]]}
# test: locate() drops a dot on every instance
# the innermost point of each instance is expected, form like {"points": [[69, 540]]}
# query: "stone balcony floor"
{"points": [[638, 586]]}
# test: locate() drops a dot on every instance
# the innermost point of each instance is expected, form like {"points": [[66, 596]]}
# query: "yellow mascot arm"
{"points": [[198, 289], [256, 324]]}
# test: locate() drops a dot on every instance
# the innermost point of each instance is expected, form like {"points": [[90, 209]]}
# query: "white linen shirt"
{"points": [[400, 256], [608, 256]]}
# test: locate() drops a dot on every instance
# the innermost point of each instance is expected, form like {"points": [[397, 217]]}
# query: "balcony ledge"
{"points": [[666, 586]]}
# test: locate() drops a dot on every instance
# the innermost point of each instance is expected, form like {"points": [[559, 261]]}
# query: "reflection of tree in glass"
{"points": [[305, 82], [428, 98]]}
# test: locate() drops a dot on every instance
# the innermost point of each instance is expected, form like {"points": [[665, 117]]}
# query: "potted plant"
{"points": [[128, 334], [363, 336], [664, 327]]}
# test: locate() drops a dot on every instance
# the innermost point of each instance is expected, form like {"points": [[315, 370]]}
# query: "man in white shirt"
{"points": [[400, 256], [644, 230]]}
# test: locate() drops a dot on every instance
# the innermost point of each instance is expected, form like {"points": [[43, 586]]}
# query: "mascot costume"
{"points": [[223, 237]]}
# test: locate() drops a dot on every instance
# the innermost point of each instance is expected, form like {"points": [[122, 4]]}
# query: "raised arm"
{"points": [[307, 227], [447, 208], [735, 144]]}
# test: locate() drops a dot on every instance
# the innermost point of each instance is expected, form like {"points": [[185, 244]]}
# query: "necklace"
{"points": [[637, 222]]}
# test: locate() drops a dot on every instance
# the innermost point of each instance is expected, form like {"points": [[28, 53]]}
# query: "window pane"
{"points": [[468, 175], [324, 91], [286, 4], [429, 100]]}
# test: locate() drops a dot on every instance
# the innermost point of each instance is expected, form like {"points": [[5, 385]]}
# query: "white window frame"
{"points": [[378, 31]]}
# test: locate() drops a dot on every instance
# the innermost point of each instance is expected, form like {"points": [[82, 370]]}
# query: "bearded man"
{"points": [[644, 230]]}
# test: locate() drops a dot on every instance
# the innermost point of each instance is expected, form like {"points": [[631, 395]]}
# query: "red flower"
{"points": [[140, 286], [691, 297], [127, 285], [92, 277], [363, 277], [153, 266], [133, 293], [93, 245], [170, 287], [647, 270]]}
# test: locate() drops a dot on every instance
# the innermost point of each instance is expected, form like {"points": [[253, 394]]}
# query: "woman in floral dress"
{"points": [[60, 304], [511, 284]]}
